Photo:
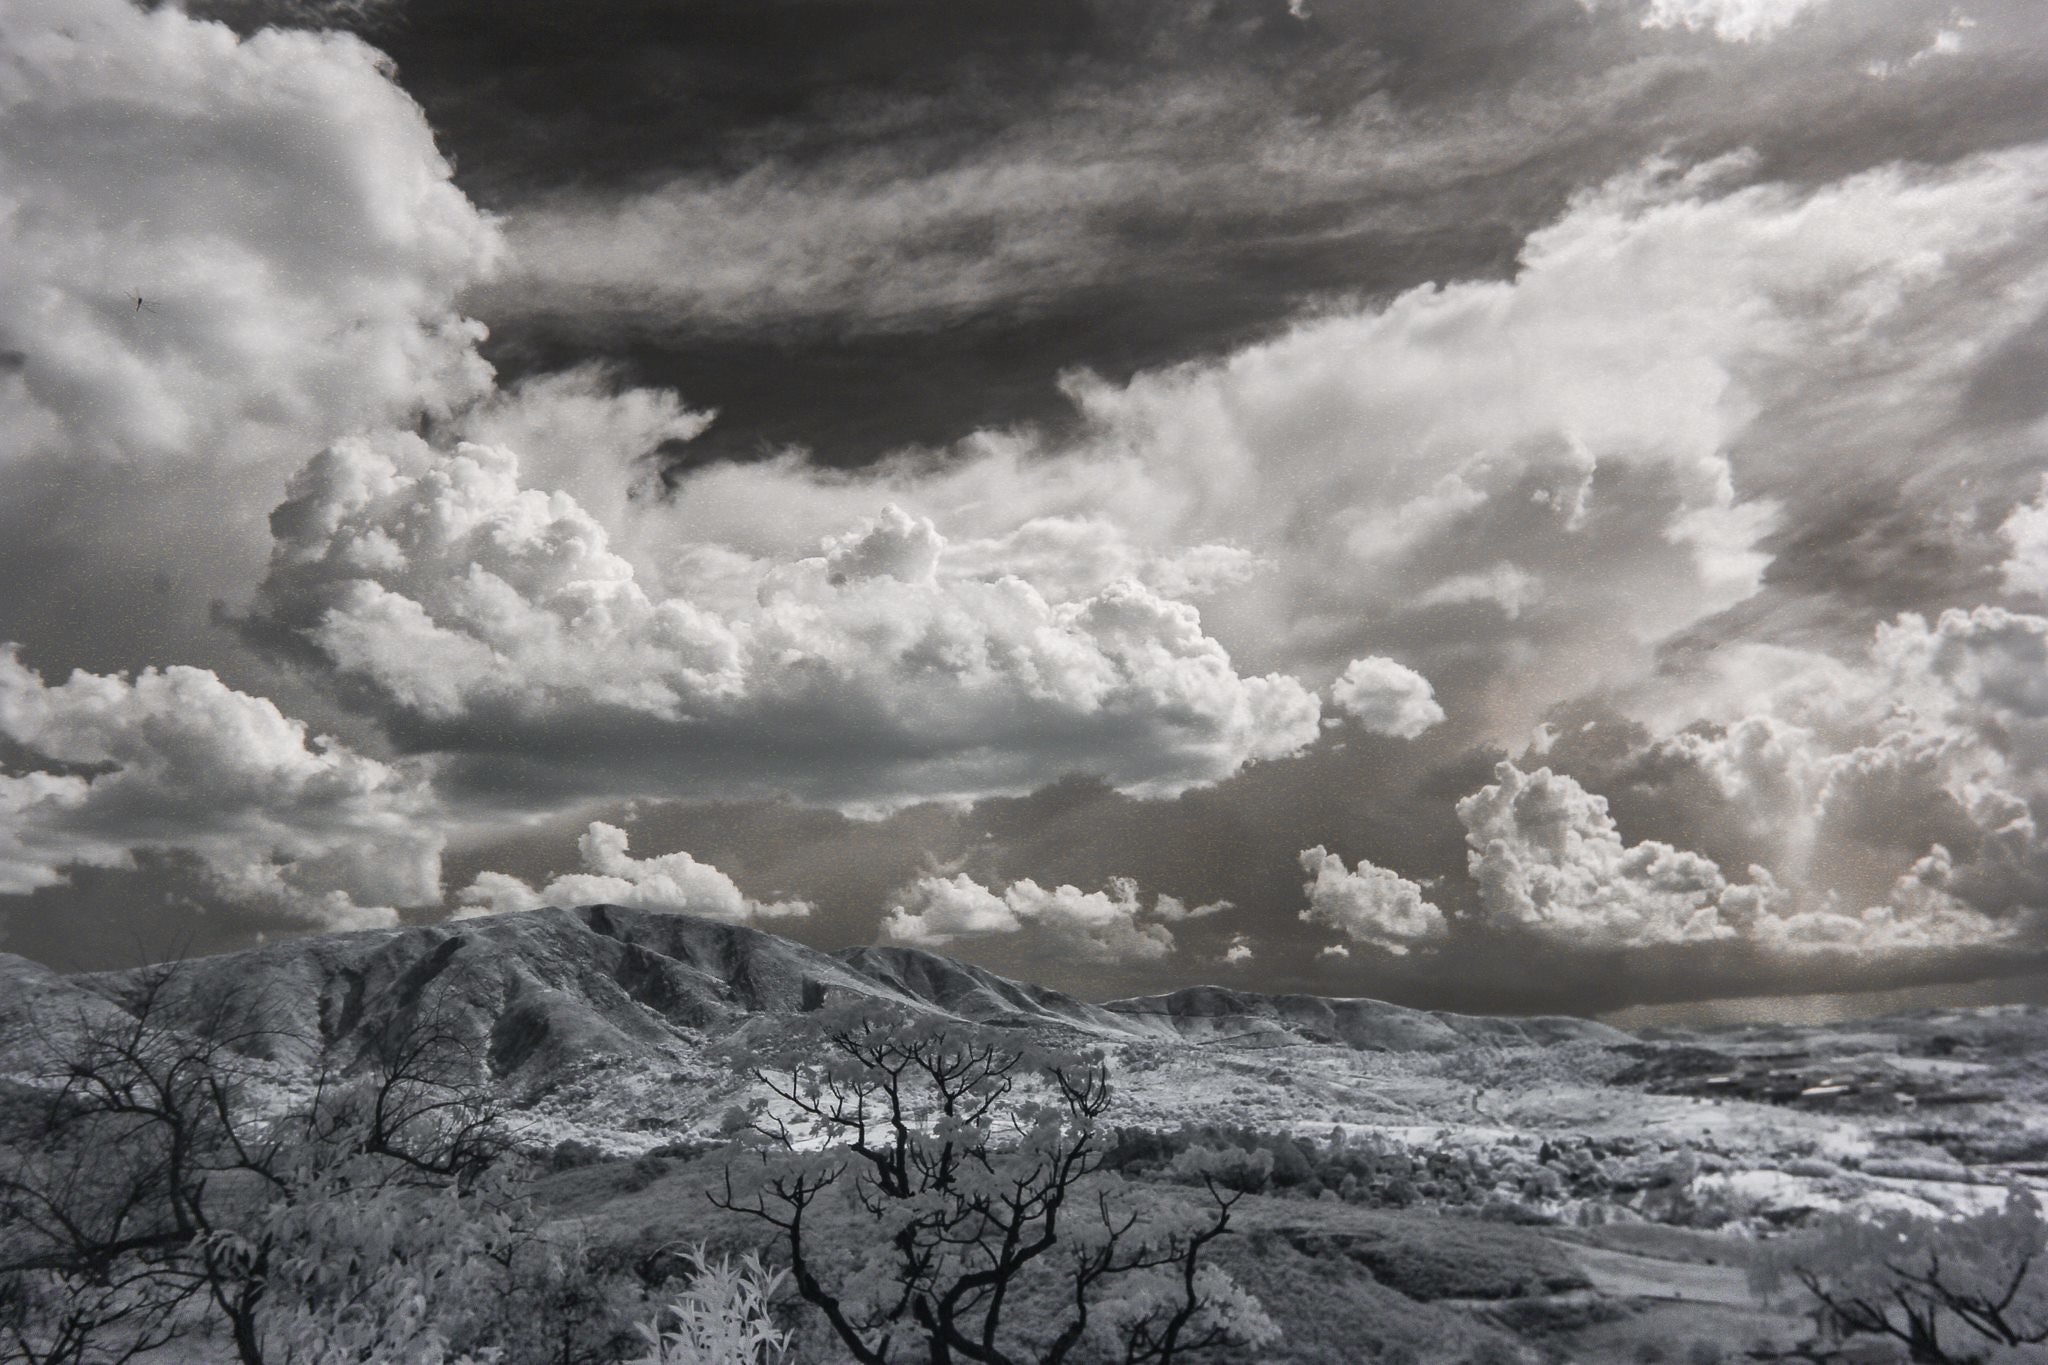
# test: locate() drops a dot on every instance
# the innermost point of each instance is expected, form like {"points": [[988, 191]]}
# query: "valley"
{"points": [[1420, 1186]]}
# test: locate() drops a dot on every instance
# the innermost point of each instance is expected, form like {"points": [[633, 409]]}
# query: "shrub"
{"points": [[723, 1317]]}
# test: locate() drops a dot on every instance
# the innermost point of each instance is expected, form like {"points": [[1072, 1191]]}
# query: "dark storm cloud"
{"points": [[1005, 192]]}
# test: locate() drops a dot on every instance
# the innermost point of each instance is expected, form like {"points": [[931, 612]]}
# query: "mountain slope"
{"points": [[553, 994], [546, 990], [1212, 1014], [965, 990]]}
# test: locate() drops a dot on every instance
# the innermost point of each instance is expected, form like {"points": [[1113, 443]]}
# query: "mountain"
{"points": [[1212, 1014], [968, 992], [554, 994]]}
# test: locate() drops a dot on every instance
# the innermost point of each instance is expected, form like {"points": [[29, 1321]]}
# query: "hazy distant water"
{"points": [[1835, 1006]]}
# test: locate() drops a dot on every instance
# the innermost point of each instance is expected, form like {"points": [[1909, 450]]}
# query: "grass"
{"points": [[1422, 1255]]}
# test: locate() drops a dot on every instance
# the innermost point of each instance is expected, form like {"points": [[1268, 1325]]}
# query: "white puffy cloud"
{"points": [[1112, 925], [1238, 953], [583, 431], [869, 674], [276, 201], [674, 883], [1734, 21], [1547, 854], [1461, 474], [2026, 535], [174, 760], [277, 204], [1369, 904], [1386, 697], [1857, 768]]}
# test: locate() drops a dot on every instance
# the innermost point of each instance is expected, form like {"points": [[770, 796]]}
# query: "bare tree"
{"points": [[139, 1152], [976, 1164], [145, 1190], [1948, 1291], [417, 1097]]}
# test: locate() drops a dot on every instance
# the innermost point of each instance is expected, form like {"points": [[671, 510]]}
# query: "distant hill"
{"points": [[1210, 1014], [551, 992]]}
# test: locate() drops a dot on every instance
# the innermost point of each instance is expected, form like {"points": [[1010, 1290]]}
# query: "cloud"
{"points": [[277, 202], [1369, 904], [1388, 698], [1733, 21], [481, 612], [838, 240], [279, 205], [2025, 531], [674, 883], [1238, 953], [1458, 476], [1112, 925], [586, 432], [174, 760], [1547, 854]]}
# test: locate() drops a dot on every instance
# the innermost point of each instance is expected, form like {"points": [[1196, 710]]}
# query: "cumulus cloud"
{"points": [[1238, 953], [278, 206], [866, 674], [301, 282], [2025, 532], [1386, 697], [1369, 904], [1111, 925], [1547, 854], [1461, 474], [674, 883], [588, 433], [1734, 21], [174, 760]]}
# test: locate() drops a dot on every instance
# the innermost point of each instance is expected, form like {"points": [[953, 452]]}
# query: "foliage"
{"points": [[977, 1163], [722, 1318], [150, 1196], [1336, 1310], [1965, 1289]]}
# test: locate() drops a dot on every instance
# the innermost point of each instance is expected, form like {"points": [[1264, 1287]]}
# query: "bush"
{"points": [[723, 1317]]}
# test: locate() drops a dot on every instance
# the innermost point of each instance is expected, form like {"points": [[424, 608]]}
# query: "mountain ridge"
{"points": [[551, 992]]}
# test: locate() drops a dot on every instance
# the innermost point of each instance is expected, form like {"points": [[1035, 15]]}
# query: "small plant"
{"points": [[721, 1319]]}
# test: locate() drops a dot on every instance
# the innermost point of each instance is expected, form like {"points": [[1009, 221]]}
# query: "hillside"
{"points": [[552, 993], [1448, 1182], [1208, 1014]]}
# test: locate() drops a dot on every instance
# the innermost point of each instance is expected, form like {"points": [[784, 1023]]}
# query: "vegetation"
{"points": [[184, 1180], [159, 1186], [152, 1191], [997, 1235], [722, 1318], [1967, 1290]]}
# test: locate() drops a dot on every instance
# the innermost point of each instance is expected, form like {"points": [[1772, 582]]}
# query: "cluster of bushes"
{"points": [[1516, 1179], [155, 1194], [935, 1191]]}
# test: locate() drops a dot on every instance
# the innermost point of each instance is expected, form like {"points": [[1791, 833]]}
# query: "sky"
{"points": [[1491, 504]]}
